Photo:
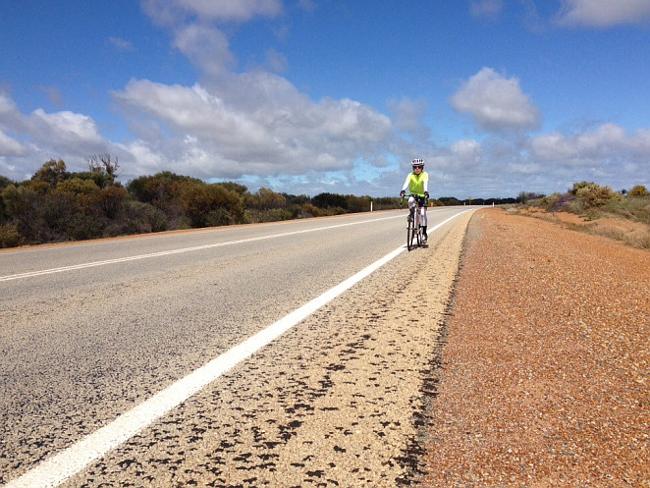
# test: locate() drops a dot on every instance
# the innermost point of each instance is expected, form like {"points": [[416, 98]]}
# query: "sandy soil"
{"points": [[544, 378], [636, 234]]}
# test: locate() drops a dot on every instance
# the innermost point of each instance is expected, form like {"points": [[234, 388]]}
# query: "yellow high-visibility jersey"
{"points": [[417, 184]]}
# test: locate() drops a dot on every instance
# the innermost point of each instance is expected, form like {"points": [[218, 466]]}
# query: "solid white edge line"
{"points": [[93, 264], [72, 460]]}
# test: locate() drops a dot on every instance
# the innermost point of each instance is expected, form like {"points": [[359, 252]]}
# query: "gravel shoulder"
{"points": [[544, 376]]}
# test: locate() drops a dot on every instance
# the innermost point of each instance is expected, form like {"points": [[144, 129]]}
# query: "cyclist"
{"points": [[417, 184]]}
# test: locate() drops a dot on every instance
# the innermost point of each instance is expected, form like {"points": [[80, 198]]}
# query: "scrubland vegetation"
{"points": [[594, 202], [58, 205]]}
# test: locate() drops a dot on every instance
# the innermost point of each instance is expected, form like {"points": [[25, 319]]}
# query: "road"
{"points": [[90, 330]]}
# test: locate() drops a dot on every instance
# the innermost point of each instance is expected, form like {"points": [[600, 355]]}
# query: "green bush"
{"points": [[593, 195]]}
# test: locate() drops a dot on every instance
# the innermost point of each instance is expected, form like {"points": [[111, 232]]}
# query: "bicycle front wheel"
{"points": [[410, 234]]}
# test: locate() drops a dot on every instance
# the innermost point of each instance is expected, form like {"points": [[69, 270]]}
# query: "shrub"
{"points": [[309, 210], [140, 217], [207, 205], [638, 191], [327, 200], [51, 172], [9, 235], [271, 215], [593, 195], [551, 202], [581, 184], [266, 199]]}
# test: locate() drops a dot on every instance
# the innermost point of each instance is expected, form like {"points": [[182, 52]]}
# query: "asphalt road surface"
{"points": [[90, 330]]}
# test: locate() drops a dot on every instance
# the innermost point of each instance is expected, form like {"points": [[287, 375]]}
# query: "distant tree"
{"points": [[449, 201], [104, 164], [327, 200], [296, 199], [51, 172], [357, 204]]}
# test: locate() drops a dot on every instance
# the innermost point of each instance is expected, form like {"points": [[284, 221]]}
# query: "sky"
{"points": [[307, 96]]}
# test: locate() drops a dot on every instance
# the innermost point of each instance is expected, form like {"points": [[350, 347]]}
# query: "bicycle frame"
{"points": [[414, 237]]}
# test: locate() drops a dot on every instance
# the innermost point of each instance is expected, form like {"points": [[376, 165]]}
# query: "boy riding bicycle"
{"points": [[417, 184]]}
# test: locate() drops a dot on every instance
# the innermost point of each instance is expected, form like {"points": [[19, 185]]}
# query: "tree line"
{"points": [[58, 205]]}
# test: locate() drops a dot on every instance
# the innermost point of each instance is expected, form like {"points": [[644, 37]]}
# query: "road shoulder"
{"points": [[544, 372]]}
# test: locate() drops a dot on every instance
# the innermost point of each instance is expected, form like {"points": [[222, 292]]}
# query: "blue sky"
{"points": [[304, 96]]}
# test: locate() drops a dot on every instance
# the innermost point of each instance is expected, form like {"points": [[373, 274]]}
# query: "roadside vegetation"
{"points": [[59, 205], [623, 215]]}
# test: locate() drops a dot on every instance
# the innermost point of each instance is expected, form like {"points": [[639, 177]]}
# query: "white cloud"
{"points": [[254, 123], [468, 151], [603, 13], [496, 102], [67, 126], [206, 47], [408, 116], [486, 8], [44, 135], [9, 146], [606, 144]]}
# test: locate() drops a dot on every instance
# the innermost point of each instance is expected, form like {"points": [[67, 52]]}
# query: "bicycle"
{"points": [[414, 231]]}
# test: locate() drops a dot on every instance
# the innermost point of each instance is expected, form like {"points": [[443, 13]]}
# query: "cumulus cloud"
{"points": [[9, 146], [231, 124], [607, 143], [495, 102], [255, 123], [603, 13], [44, 135]]}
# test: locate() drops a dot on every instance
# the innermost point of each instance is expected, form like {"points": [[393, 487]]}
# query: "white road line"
{"points": [[72, 460], [31, 274]]}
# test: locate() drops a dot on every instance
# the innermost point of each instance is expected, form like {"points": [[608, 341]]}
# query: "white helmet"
{"points": [[417, 163]]}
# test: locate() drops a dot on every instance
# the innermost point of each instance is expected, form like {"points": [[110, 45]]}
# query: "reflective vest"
{"points": [[416, 183]]}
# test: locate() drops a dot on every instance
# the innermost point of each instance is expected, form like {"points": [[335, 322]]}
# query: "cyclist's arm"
{"points": [[426, 183]]}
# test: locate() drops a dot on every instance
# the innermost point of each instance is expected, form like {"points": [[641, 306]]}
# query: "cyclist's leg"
{"points": [[423, 220]]}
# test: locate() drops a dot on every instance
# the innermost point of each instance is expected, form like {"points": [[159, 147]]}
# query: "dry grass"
{"points": [[624, 223]]}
